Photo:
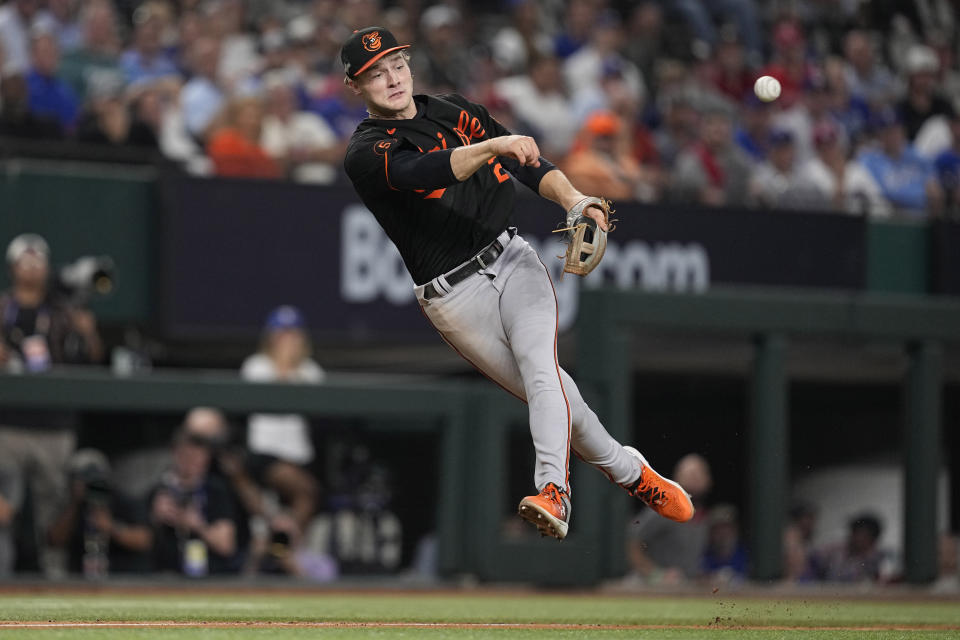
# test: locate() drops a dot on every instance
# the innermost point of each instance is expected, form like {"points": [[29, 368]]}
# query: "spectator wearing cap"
{"points": [[284, 356], [146, 60], [38, 329], [16, 21], [281, 445], [600, 162], [857, 559], [234, 144], [923, 101], [49, 95], [867, 77], [713, 171], [774, 180], [539, 98], [584, 70], [443, 60], [103, 530], [832, 181], [906, 178], [725, 558], [521, 39], [299, 140], [95, 62]]}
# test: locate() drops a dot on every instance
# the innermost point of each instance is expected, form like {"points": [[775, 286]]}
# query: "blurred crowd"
{"points": [[647, 100]]}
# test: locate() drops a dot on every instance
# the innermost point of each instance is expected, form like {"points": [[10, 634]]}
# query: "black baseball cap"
{"points": [[365, 47]]}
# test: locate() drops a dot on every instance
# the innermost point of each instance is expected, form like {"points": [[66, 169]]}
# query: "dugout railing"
{"points": [[770, 319], [422, 404]]}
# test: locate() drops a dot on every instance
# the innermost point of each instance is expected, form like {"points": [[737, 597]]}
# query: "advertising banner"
{"points": [[233, 250]]}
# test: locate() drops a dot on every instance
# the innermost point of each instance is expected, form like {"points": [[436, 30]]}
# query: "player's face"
{"points": [[387, 87]]}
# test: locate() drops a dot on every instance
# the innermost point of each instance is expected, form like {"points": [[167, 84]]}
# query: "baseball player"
{"points": [[438, 174]]}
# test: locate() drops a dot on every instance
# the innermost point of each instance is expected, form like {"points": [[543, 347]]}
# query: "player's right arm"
{"points": [[397, 165], [465, 161]]}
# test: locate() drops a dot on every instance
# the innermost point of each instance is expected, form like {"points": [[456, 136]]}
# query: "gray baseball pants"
{"points": [[503, 320]]}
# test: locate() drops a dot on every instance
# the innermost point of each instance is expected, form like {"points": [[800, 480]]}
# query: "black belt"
{"points": [[470, 267]]}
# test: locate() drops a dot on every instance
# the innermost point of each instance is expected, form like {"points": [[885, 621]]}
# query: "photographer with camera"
{"points": [[193, 513], [104, 531], [270, 499], [39, 328]]}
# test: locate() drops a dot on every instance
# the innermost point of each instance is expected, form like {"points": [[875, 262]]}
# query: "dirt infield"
{"points": [[719, 625]]}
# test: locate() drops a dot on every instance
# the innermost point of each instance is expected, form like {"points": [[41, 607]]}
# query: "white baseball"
{"points": [[767, 88]]}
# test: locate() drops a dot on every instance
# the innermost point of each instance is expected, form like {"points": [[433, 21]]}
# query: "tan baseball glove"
{"points": [[586, 240]]}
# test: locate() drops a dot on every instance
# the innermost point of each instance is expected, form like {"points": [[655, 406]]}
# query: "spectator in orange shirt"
{"points": [[601, 162], [234, 146]]}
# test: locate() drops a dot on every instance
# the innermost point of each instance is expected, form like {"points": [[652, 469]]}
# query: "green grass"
{"points": [[722, 617]]}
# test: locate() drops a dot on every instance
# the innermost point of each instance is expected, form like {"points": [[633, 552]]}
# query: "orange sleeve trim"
{"points": [[386, 172]]}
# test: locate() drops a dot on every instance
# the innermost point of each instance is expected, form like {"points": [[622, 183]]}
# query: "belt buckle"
{"points": [[483, 265]]}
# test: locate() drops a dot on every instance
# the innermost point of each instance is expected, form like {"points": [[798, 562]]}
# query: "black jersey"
{"points": [[401, 171]]}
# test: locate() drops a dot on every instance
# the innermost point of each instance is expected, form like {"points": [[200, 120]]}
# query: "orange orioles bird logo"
{"points": [[371, 41]]}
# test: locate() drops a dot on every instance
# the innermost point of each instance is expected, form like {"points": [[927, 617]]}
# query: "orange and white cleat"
{"points": [[548, 511], [664, 496]]}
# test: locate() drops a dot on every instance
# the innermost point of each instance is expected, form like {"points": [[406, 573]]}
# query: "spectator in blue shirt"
{"points": [[48, 94], [753, 132], [341, 109], [725, 558], [202, 96], [146, 60], [906, 178]]}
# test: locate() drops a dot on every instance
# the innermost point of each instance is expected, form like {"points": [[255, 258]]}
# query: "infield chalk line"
{"points": [[468, 625]]}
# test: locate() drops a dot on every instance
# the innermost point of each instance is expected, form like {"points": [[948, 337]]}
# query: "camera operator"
{"points": [[103, 530], [193, 513], [38, 329]]}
